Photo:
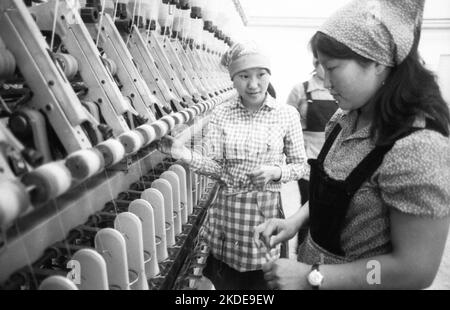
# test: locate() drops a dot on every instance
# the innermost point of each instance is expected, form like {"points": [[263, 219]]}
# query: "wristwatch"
{"points": [[315, 278]]}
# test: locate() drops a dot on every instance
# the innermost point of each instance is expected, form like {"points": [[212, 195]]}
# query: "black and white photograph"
{"points": [[217, 152]]}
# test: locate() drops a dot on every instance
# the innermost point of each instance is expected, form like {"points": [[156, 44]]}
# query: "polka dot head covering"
{"points": [[384, 31], [242, 56]]}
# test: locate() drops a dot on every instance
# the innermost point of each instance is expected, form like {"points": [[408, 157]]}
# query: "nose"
{"points": [[253, 83], [326, 81]]}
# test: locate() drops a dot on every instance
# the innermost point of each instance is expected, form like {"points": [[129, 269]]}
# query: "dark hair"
{"points": [[409, 90], [271, 90]]}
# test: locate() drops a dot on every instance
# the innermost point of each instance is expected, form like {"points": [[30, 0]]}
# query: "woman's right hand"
{"points": [[273, 232]]}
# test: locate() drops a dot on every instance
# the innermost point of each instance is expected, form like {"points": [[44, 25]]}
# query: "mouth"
{"points": [[253, 94]]}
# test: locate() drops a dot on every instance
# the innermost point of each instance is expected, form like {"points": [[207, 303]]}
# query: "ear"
{"points": [[380, 69]]}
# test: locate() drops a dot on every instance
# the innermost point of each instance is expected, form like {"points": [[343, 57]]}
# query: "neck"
{"points": [[364, 116], [253, 107]]}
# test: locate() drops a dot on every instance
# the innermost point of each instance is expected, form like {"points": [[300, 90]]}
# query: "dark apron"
{"points": [[319, 112], [330, 199]]}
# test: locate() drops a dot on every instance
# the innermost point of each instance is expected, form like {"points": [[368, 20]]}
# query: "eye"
{"points": [[262, 74], [243, 76]]}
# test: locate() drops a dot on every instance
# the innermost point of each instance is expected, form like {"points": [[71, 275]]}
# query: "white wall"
{"points": [[286, 32], [444, 76]]}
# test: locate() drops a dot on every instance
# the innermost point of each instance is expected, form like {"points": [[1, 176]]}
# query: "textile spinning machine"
{"points": [[87, 89]]}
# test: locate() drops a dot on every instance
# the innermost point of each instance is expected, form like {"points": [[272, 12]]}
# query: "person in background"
{"points": [[253, 146], [380, 188], [316, 106]]}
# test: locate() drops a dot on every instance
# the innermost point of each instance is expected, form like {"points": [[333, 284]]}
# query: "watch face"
{"points": [[315, 278]]}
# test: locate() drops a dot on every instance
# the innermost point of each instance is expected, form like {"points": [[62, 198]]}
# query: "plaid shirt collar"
{"points": [[269, 102]]}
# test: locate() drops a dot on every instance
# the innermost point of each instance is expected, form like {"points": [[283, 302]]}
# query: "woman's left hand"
{"points": [[286, 274], [263, 175]]}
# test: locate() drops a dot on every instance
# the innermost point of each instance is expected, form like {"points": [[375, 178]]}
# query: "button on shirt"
{"points": [[239, 142]]}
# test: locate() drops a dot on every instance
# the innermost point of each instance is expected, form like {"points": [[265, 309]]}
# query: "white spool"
{"points": [[177, 20], [69, 64], [202, 107], [93, 269], [174, 181], [161, 128], [132, 141], [193, 112], [197, 109], [110, 65], [49, 181], [181, 173], [13, 201], [143, 209], [164, 18], [178, 118], [57, 283], [112, 151], [156, 200], [166, 190], [111, 244], [187, 116], [84, 163], [148, 133], [169, 120], [130, 226], [186, 23], [145, 8], [153, 9]]}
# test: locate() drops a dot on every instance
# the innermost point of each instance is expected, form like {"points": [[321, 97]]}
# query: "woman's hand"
{"points": [[170, 146], [286, 274], [263, 175], [273, 232]]}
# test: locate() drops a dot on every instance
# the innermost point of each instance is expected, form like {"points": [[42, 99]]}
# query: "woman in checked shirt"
{"points": [[254, 144]]}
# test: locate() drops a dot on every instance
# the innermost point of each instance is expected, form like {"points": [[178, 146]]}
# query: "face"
{"points": [[351, 83], [251, 85], [319, 69]]}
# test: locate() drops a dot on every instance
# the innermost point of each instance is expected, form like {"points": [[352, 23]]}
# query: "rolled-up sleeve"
{"points": [[210, 163]]}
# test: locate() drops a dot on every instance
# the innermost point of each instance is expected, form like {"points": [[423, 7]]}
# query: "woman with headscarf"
{"points": [[380, 187], [253, 145]]}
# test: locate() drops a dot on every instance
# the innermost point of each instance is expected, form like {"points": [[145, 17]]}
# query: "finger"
{"points": [[277, 238], [257, 234], [272, 284], [269, 276], [270, 230], [267, 267]]}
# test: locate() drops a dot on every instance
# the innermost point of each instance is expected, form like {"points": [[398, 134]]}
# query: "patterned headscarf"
{"points": [[381, 30], [242, 56]]}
